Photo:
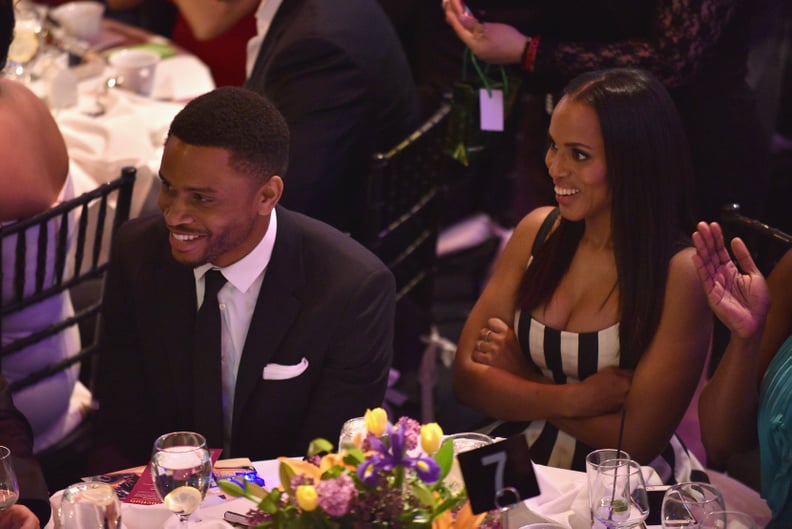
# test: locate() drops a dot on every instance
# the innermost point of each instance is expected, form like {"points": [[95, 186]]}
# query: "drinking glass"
{"points": [[352, 433], [27, 42], [687, 504], [728, 520], [617, 495], [9, 491], [463, 442], [89, 505], [181, 468]]}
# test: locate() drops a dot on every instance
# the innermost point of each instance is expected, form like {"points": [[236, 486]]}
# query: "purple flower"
{"points": [[391, 454], [412, 432], [336, 495]]}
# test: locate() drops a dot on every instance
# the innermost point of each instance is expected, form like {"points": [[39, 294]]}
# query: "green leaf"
{"points": [[269, 503], [319, 446], [255, 491], [445, 458], [285, 472], [423, 494], [354, 456], [231, 488]]}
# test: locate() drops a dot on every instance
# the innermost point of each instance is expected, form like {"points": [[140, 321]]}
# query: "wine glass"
{"points": [[687, 504], [617, 495], [89, 505], [27, 41], [728, 520], [181, 468], [9, 491]]}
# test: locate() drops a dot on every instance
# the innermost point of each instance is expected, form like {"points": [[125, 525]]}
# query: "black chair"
{"points": [[404, 201], [767, 243], [89, 220]]}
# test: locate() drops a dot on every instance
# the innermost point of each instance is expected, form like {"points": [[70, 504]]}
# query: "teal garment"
{"points": [[775, 436]]}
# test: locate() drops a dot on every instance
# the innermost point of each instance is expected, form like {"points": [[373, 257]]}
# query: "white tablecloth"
{"points": [[132, 129]]}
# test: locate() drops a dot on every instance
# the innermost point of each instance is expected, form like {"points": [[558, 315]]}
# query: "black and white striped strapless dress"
{"points": [[568, 357]]}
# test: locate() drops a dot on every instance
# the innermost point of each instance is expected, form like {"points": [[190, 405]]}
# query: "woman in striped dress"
{"points": [[597, 316]]}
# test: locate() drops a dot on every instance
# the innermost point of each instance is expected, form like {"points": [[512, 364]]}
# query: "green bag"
{"points": [[465, 139]]}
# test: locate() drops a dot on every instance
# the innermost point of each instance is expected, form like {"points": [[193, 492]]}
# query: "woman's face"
{"points": [[576, 161]]}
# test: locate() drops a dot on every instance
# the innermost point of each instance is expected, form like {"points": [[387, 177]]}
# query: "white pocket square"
{"points": [[283, 372]]}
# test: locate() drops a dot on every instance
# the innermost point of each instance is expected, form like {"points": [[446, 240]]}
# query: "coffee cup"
{"points": [[134, 69], [81, 19]]}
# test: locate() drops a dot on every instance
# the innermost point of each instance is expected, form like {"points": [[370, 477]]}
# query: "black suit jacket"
{"points": [[337, 72], [324, 298]]}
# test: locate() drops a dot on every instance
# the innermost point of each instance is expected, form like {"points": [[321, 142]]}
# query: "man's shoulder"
{"points": [[141, 236], [324, 245]]}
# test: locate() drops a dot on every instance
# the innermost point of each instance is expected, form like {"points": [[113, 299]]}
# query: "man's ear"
{"points": [[269, 194]]}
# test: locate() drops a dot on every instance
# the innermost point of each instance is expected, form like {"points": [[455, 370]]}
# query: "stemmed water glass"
{"points": [[617, 495], [9, 491], [728, 520], [687, 504], [181, 468]]}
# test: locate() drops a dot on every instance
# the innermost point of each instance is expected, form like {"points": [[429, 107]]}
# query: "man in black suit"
{"points": [[33, 508], [307, 313], [338, 73]]}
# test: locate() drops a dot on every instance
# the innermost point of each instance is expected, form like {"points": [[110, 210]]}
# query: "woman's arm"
{"points": [[666, 376], [779, 317], [682, 32], [508, 391], [211, 18], [727, 406]]}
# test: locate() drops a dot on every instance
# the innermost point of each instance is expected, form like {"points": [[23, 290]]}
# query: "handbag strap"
{"points": [[544, 230]]}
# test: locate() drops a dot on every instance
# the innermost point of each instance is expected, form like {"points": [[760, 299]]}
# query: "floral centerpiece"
{"points": [[392, 476]]}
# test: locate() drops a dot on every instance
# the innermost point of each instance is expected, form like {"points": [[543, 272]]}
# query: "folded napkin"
{"points": [[563, 495]]}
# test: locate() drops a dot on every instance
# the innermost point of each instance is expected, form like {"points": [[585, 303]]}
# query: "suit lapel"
{"points": [[279, 303], [174, 314], [278, 28]]}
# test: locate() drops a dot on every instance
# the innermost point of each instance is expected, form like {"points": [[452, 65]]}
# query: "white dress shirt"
{"points": [[264, 15], [237, 299]]}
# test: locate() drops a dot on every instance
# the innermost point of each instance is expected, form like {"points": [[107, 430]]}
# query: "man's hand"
{"points": [[19, 517]]}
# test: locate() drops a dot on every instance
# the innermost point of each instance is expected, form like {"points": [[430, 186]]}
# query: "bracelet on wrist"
{"points": [[528, 58]]}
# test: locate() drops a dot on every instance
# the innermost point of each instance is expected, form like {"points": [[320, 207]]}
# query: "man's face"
{"points": [[214, 213]]}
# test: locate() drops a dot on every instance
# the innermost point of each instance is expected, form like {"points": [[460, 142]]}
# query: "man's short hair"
{"points": [[241, 121]]}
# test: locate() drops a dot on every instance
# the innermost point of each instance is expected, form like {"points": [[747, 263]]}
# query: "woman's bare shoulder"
{"points": [[35, 160]]}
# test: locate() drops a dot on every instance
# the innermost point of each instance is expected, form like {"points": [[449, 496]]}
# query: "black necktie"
{"points": [[207, 371]]}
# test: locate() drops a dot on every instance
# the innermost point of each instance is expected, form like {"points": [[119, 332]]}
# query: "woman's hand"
{"points": [[497, 346], [19, 517], [492, 42], [739, 299], [603, 392]]}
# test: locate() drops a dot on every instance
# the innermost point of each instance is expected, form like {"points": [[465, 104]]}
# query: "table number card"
{"points": [[499, 474]]}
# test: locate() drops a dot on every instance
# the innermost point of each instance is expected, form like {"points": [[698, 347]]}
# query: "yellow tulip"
{"points": [[306, 497], [376, 421], [431, 437]]}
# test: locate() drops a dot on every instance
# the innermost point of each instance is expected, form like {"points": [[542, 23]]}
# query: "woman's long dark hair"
{"points": [[649, 173]]}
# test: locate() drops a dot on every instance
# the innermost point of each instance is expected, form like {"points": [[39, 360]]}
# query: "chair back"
{"points": [[404, 192], [767, 243], [46, 265]]}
